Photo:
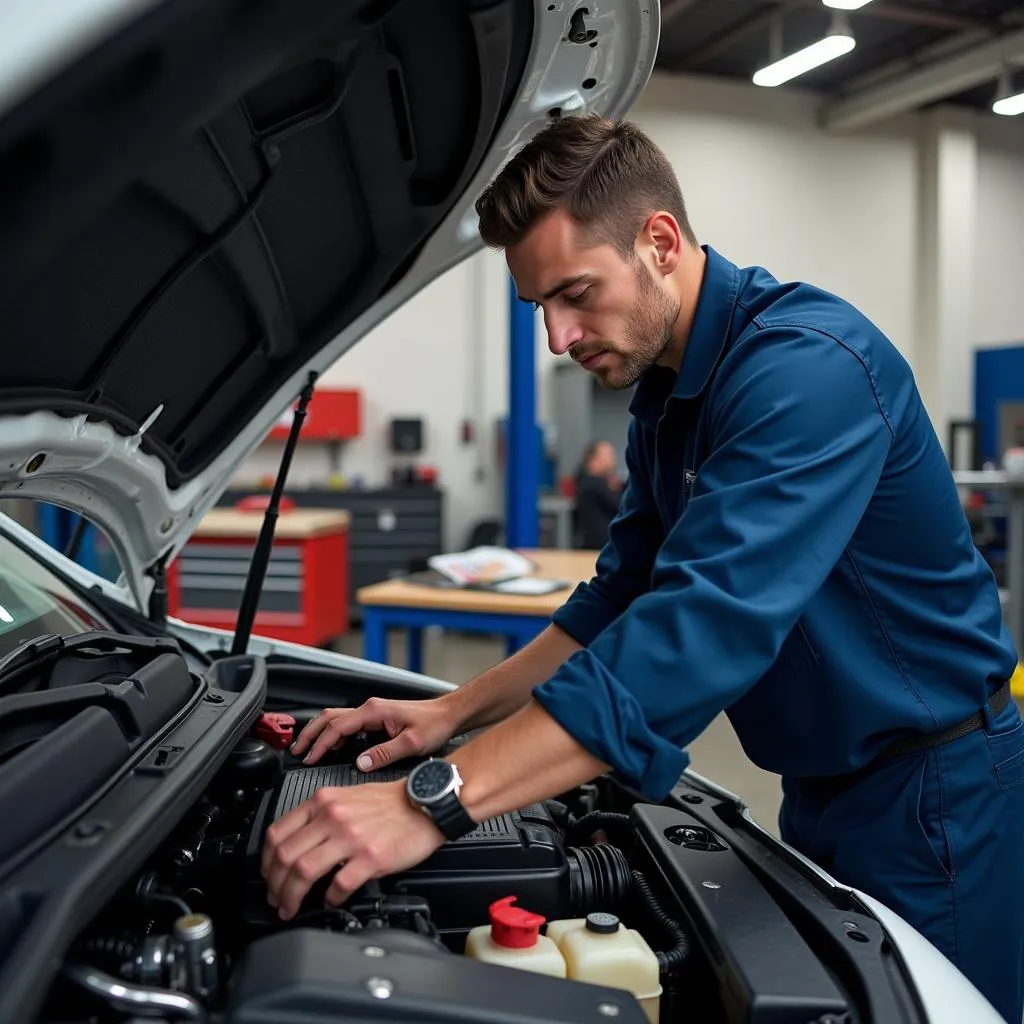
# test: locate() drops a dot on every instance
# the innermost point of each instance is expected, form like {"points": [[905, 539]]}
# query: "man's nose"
{"points": [[563, 333]]}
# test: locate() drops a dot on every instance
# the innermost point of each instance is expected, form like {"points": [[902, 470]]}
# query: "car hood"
{"points": [[204, 200]]}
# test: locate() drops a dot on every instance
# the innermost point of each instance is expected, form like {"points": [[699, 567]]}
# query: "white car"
{"points": [[202, 202]]}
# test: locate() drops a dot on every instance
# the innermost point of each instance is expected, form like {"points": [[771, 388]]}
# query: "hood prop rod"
{"points": [[265, 543]]}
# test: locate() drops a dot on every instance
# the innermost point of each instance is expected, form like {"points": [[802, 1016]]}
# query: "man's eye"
{"points": [[578, 297]]}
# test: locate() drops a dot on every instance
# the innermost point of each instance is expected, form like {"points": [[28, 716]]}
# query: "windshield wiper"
{"points": [[261, 553]]}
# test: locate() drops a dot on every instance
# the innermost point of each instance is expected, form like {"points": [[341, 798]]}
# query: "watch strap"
{"points": [[450, 817]]}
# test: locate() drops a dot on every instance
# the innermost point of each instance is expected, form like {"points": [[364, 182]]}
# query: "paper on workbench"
{"points": [[485, 564]]}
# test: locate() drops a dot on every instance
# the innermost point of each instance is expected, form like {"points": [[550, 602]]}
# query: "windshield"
{"points": [[34, 602]]}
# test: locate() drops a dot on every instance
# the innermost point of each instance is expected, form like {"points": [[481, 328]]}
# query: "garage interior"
{"points": [[892, 175]]}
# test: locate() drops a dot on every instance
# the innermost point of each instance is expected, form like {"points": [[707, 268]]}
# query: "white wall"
{"points": [[763, 185], [999, 274]]}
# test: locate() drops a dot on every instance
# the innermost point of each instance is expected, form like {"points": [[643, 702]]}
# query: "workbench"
{"points": [[997, 480], [400, 604]]}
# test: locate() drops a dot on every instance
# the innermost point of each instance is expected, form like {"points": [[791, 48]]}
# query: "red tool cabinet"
{"points": [[305, 594]]}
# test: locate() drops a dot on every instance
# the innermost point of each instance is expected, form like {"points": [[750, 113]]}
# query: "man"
{"points": [[790, 548], [598, 491]]}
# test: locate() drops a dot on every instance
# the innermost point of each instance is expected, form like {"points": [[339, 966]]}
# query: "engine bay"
{"points": [[165, 913], [196, 920]]}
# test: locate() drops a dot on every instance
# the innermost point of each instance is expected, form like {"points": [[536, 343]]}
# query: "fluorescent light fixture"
{"points": [[1007, 103], [1009, 106], [838, 42], [846, 5]]}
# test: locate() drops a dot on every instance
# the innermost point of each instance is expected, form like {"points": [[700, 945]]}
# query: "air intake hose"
{"points": [[599, 878]]}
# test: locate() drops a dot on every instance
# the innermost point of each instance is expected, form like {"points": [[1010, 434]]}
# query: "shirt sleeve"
{"points": [[624, 566], [799, 441]]}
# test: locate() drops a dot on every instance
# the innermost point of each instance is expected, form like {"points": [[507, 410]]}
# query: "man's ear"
{"points": [[664, 241]]}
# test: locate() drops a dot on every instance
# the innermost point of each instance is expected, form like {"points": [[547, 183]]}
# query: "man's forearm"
{"points": [[502, 690], [521, 761]]}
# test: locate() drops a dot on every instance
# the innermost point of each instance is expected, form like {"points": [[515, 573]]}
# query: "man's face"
{"points": [[610, 315]]}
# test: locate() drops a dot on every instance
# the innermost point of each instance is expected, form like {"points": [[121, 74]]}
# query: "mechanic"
{"points": [[790, 548]]}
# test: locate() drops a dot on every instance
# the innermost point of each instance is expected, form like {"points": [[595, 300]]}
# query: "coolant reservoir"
{"points": [[598, 949], [513, 939]]}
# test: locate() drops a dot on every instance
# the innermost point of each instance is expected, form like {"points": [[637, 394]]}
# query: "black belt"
{"points": [[915, 744], [835, 784]]}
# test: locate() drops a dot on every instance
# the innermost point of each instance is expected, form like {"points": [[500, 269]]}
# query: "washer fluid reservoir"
{"points": [[598, 949]]}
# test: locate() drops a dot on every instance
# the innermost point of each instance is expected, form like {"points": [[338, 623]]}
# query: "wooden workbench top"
{"points": [[572, 567], [295, 524]]}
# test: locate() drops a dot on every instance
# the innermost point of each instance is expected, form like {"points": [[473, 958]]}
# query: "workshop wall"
{"points": [[764, 186], [999, 263]]}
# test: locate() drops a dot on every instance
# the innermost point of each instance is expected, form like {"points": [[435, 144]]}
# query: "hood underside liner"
{"points": [[192, 215]]}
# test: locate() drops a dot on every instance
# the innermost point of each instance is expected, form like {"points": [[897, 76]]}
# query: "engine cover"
{"points": [[518, 854], [311, 977]]}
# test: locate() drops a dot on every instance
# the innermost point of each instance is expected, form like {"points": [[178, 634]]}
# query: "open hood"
{"points": [[203, 200]]}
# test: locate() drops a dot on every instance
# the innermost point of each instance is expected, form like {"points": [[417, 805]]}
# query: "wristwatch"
{"points": [[433, 786]]}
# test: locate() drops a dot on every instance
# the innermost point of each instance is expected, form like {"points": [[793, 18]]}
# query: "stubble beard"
{"points": [[649, 335]]}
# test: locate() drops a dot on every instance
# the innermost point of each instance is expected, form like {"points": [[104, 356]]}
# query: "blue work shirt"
{"points": [[790, 546]]}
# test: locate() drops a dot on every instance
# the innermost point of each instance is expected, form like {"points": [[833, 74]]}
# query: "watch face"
{"points": [[430, 780]]}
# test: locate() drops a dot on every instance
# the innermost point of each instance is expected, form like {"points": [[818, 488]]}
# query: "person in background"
{"points": [[598, 491]]}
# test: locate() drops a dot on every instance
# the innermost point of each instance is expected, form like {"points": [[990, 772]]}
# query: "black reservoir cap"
{"points": [[603, 924]]}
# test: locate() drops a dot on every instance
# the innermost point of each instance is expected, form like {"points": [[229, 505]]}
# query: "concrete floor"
{"points": [[716, 754]]}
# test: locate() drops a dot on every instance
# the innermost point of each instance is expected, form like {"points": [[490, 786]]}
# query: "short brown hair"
{"points": [[608, 175]]}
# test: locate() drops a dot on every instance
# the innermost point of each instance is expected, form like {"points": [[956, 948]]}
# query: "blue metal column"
{"points": [[522, 465]]}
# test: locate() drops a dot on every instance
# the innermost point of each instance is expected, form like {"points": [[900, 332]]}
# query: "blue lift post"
{"points": [[522, 467], [522, 525]]}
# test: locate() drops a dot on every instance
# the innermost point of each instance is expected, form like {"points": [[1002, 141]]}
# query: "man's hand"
{"points": [[369, 831], [415, 727], [361, 832]]}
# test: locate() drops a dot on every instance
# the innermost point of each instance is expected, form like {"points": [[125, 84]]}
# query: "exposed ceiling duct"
{"points": [[929, 84]]}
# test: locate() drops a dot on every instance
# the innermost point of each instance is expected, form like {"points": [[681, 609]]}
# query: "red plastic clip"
{"points": [[276, 728]]}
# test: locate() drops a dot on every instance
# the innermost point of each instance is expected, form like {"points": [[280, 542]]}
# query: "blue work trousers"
{"points": [[938, 837]]}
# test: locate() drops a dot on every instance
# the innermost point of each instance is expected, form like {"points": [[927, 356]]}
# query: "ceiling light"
{"points": [[846, 5], [1007, 102], [1009, 106], [838, 42]]}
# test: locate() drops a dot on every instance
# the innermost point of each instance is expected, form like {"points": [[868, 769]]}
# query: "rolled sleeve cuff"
{"points": [[607, 721], [585, 615]]}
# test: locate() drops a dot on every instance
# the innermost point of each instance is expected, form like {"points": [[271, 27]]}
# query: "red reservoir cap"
{"points": [[276, 728], [513, 927]]}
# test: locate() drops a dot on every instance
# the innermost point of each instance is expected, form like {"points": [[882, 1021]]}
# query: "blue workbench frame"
{"points": [[522, 521], [518, 630]]}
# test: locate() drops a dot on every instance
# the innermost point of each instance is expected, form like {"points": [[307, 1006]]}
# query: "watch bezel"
{"points": [[453, 784]]}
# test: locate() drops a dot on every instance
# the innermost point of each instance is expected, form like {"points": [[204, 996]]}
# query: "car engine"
{"points": [[194, 938], [142, 781]]}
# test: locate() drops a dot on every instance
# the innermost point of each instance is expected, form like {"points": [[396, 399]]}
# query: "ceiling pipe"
{"points": [[929, 84]]}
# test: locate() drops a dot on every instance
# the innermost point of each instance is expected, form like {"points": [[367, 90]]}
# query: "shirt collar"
{"points": [[712, 320]]}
